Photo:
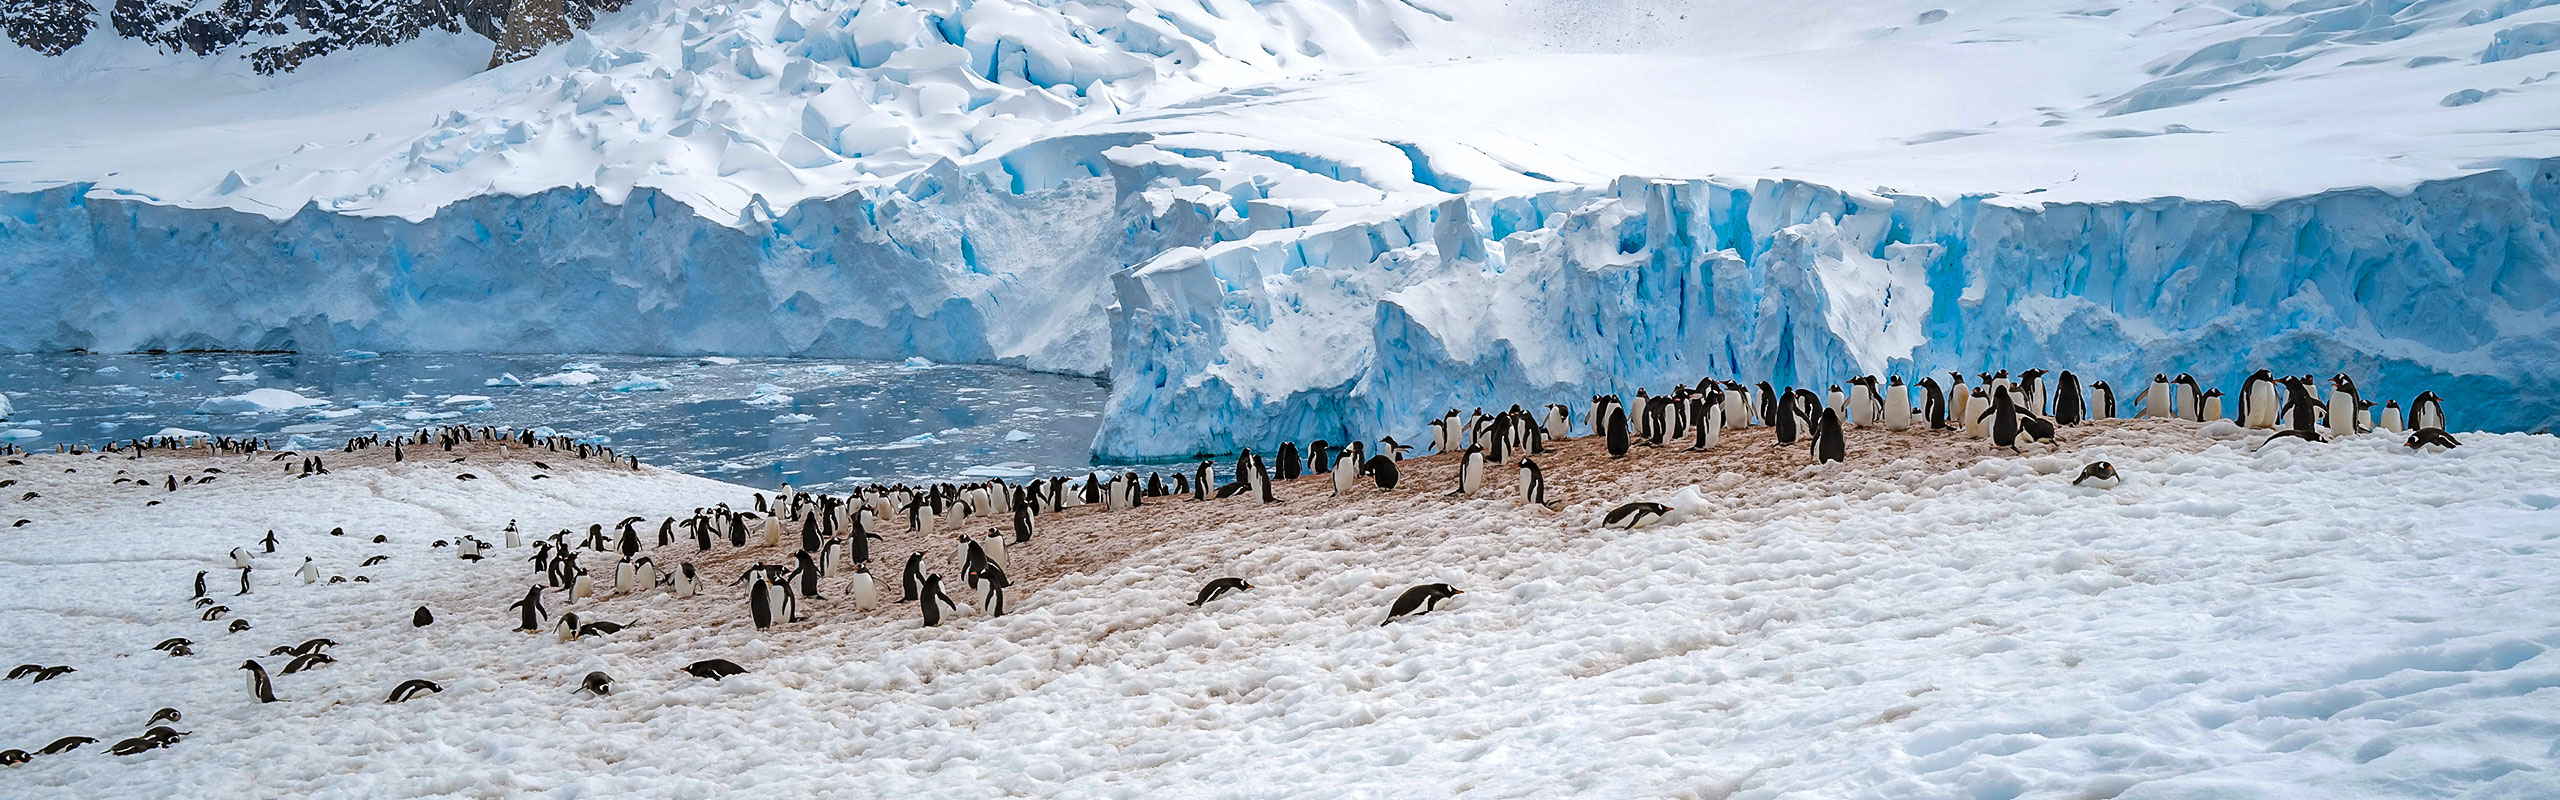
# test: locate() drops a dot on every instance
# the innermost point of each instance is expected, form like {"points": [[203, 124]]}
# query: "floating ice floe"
{"points": [[168, 375], [1018, 435], [238, 377], [793, 419], [504, 379], [827, 440], [360, 355], [4, 405], [826, 369], [308, 427], [718, 361], [643, 383], [572, 378], [581, 366], [180, 433], [918, 362], [1011, 469], [333, 413], [463, 399], [767, 394], [19, 434], [416, 415], [258, 400], [110, 369]]}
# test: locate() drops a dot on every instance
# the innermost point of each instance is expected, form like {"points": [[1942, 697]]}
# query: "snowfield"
{"points": [[1927, 620]]}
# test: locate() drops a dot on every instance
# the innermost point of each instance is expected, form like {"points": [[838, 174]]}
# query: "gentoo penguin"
{"points": [[991, 581], [1635, 515], [1784, 417], [2155, 399], [1615, 425], [1828, 443], [1288, 461], [1419, 600], [626, 576], [1708, 430], [2098, 475], [566, 627], [2213, 404], [259, 687], [1959, 399], [1470, 472], [2068, 408], [1837, 402], [1218, 588], [1933, 404], [269, 542], [1320, 457], [596, 683], [1382, 471], [2432, 440], [684, 582], [2002, 416], [2190, 398], [912, 579], [422, 618], [714, 668], [2102, 401], [1897, 404], [239, 558], [2258, 400], [531, 610], [994, 547], [760, 603], [582, 588], [2300, 414], [866, 592], [2426, 412], [805, 571], [1533, 485], [1559, 422], [935, 600], [2391, 418], [244, 580], [2343, 411], [199, 584], [412, 688], [514, 540]]}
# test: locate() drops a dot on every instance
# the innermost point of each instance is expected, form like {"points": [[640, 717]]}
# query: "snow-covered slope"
{"points": [[2312, 186], [2346, 620]]}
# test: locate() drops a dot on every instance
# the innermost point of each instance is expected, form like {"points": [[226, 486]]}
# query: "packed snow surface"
{"points": [[2346, 620]]}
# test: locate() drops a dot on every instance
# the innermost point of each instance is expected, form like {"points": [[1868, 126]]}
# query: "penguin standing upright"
{"points": [[2258, 400], [2003, 416], [2391, 418], [269, 542], [259, 687], [1021, 524], [2427, 411], [2190, 398], [994, 547], [1897, 404], [1470, 472], [1616, 426], [2343, 411], [531, 608], [310, 572], [2102, 401], [2068, 408], [1559, 423], [1933, 404], [866, 592], [1709, 429], [934, 600], [1346, 472], [1828, 443], [991, 583], [1533, 484], [760, 604], [684, 583], [1288, 461], [807, 571], [2155, 398], [912, 580], [244, 580], [199, 585]]}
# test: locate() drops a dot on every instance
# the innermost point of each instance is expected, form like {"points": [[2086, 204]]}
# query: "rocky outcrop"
{"points": [[46, 26], [279, 35]]}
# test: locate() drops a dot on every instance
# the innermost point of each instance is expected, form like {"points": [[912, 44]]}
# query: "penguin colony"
{"points": [[825, 541]]}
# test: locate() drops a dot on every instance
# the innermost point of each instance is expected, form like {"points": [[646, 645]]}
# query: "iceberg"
{"points": [[256, 401]]}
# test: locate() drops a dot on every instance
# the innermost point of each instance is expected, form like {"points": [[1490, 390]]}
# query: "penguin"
{"points": [[259, 687], [2190, 398], [1382, 470], [2343, 411], [2098, 475], [2432, 440], [1533, 485], [2155, 400], [1470, 472], [2391, 418], [1288, 461], [805, 567], [307, 661], [913, 577], [2258, 400], [1708, 430], [1021, 523], [2300, 413], [1346, 473], [596, 683], [1959, 400], [1933, 404], [1219, 588], [1828, 443], [760, 604], [163, 715], [582, 588], [2068, 408], [626, 576], [1635, 515], [1615, 425], [1784, 419], [2212, 404], [566, 627], [531, 608], [2427, 411], [239, 558], [714, 668], [1897, 404], [422, 618], [244, 580], [2003, 416], [991, 582], [270, 541], [1420, 600], [513, 540], [993, 545], [412, 689], [1559, 422], [866, 592], [2102, 400], [935, 600], [199, 585]]}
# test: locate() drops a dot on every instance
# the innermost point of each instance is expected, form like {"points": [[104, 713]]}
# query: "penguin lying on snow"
{"points": [[1418, 600], [412, 688], [596, 683], [2433, 440], [1635, 515], [714, 668], [2098, 475], [1219, 588]]}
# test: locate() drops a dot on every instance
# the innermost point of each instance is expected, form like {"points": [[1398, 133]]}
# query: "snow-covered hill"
{"points": [[1927, 620], [1308, 205]]}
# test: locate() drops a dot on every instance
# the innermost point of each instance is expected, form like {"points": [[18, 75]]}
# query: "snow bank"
{"points": [[258, 400]]}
